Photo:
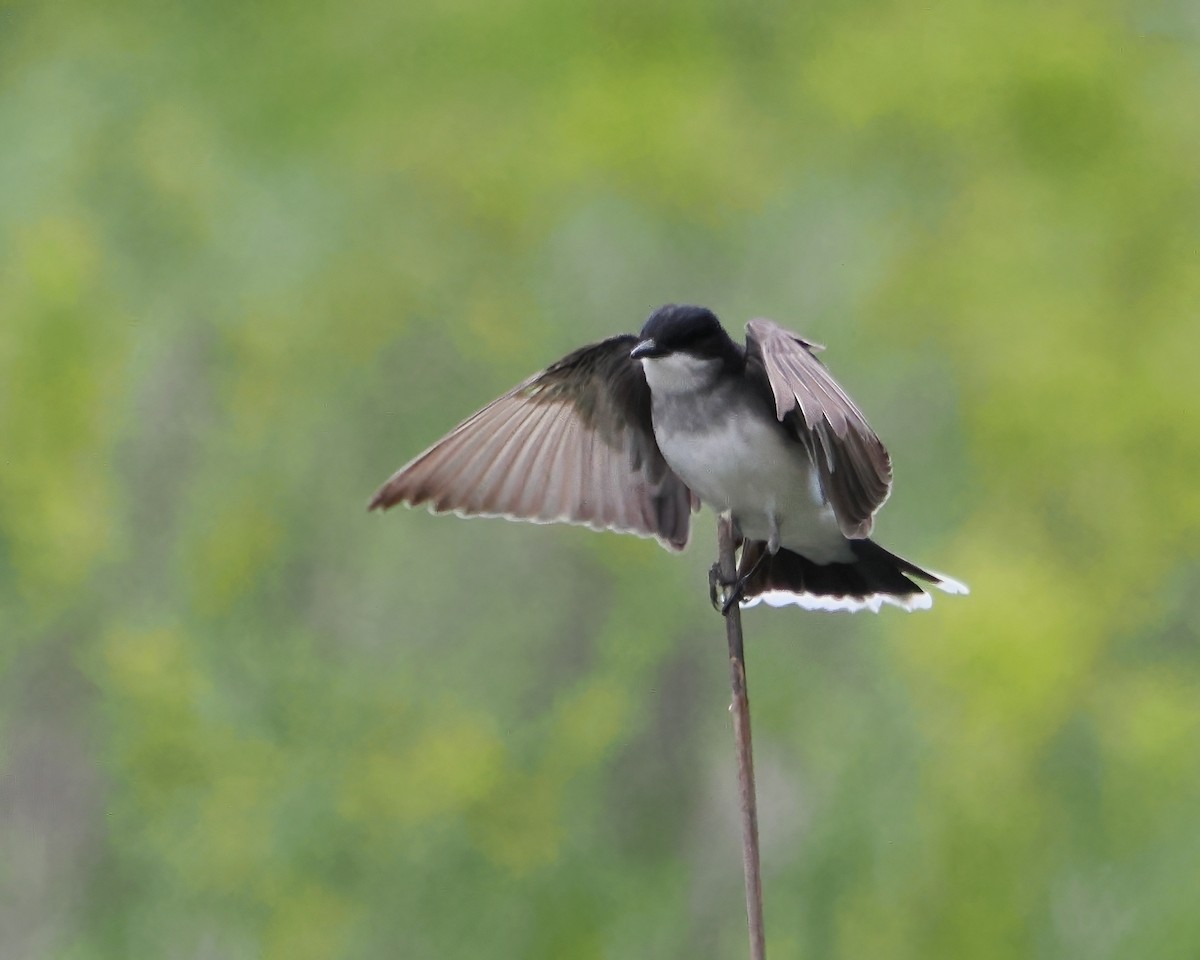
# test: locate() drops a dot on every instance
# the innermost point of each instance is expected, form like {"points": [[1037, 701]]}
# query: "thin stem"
{"points": [[740, 709]]}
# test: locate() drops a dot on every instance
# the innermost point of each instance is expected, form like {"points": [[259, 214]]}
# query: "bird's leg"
{"points": [[738, 587], [731, 593], [722, 594], [774, 541]]}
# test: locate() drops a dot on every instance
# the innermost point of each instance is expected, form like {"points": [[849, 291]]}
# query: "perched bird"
{"points": [[635, 432]]}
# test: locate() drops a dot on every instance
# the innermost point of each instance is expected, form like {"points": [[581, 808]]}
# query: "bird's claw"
{"points": [[723, 594]]}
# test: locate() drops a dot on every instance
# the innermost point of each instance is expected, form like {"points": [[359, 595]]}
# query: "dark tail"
{"points": [[875, 577]]}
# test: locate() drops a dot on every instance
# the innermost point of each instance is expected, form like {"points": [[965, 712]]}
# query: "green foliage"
{"points": [[253, 257]]}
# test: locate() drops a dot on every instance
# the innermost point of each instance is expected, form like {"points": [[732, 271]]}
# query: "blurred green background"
{"points": [[255, 256]]}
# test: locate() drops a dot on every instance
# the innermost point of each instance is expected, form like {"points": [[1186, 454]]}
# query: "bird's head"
{"points": [[681, 329], [683, 348]]}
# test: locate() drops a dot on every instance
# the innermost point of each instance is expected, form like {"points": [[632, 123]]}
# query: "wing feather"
{"points": [[573, 444], [853, 464]]}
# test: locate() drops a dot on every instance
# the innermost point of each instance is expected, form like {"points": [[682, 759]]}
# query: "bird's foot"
{"points": [[723, 594]]}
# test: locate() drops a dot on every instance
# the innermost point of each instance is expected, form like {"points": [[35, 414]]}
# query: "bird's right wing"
{"points": [[573, 444], [854, 467]]}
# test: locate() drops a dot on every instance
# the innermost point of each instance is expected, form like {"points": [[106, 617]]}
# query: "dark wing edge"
{"points": [[573, 444], [852, 462]]}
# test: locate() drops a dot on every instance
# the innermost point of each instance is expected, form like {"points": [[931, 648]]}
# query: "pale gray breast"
{"points": [[724, 445], [727, 447]]}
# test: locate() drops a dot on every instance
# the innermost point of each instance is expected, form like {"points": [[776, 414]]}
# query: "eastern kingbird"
{"points": [[634, 433]]}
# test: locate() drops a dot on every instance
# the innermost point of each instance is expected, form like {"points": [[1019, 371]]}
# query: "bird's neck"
{"points": [[681, 373]]}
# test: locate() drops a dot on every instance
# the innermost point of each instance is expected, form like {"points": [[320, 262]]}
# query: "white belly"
{"points": [[746, 465]]}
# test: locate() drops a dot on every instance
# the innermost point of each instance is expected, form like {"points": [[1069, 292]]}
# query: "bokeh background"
{"points": [[254, 256]]}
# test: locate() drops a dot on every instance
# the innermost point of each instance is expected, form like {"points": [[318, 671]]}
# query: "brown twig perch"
{"points": [[740, 709]]}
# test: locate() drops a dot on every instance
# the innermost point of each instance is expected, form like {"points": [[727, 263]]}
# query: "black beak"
{"points": [[647, 348]]}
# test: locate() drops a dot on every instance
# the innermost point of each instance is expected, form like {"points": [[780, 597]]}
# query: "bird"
{"points": [[633, 433]]}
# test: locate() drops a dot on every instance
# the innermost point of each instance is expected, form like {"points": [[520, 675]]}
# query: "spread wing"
{"points": [[573, 444], [853, 465]]}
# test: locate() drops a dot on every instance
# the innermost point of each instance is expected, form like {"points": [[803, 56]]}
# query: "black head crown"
{"points": [[683, 329]]}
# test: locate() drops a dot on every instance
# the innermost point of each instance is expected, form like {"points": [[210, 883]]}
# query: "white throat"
{"points": [[679, 373]]}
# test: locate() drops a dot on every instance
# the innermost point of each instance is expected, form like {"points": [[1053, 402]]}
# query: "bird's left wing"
{"points": [[572, 444], [853, 465]]}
